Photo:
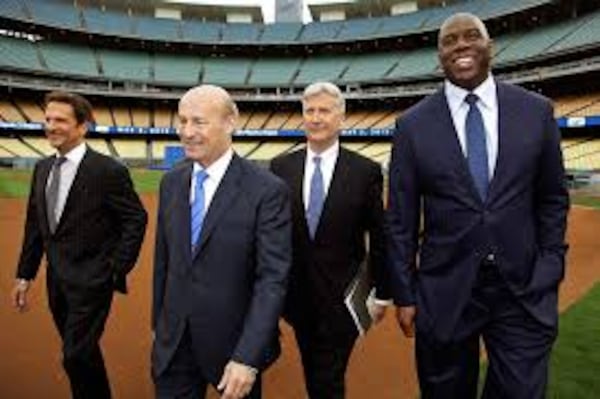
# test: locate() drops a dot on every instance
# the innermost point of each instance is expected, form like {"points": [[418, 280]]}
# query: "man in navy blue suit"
{"points": [[223, 252], [481, 159]]}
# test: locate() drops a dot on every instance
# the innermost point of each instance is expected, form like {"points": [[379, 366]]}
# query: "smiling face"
{"points": [[465, 51], [62, 129], [322, 118], [206, 122]]}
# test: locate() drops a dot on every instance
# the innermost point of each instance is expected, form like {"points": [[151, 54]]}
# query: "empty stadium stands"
{"points": [[106, 22], [184, 70]]}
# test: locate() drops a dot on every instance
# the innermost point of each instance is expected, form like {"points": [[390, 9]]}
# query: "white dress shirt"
{"points": [[488, 106], [215, 173], [328, 160], [68, 170]]}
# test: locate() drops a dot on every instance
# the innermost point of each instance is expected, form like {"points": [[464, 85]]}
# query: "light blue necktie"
{"points": [[315, 199], [197, 210], [477, 155]]}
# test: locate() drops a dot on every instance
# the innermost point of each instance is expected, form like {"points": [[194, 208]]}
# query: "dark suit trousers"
{"points": [[183, 378], [80, 314], [325, 347], [518, 348]]}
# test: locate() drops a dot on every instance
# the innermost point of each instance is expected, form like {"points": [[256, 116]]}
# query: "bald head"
{"points": [[212, 93], [207, 119]]}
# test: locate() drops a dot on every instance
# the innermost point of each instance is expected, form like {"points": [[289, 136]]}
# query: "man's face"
{"points": [[205, 128], [62, 129], [322, 118], [464, 53]]}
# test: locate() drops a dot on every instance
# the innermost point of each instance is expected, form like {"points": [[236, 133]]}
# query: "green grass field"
{"points": [[15, 183]]}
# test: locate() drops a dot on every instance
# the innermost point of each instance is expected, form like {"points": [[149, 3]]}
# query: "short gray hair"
{"points": [[327, 88]]}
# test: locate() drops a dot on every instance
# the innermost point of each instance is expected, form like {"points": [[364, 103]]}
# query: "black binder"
{"points": [[356, 296]]}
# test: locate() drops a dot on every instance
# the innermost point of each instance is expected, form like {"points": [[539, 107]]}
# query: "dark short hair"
{"points": [[82, 109]]}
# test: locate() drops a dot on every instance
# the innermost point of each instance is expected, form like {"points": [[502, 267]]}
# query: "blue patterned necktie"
{"points": [[477, 155], [52, 194], [315, 199], [197, 209]]}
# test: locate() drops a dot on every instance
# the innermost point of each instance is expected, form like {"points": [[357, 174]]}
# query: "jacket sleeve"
{"points": [[403, 215], [33, 245]]}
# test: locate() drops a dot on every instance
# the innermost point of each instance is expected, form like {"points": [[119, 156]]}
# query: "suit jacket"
{"points": [[522, 221], [323, 268], [230, 291], [101, 229]]}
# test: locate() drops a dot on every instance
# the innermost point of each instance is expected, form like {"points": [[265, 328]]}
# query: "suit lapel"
{"points": [[225, 194], [337, 188], [506, 126], [82, 177], [181, 211], [297, 187]]}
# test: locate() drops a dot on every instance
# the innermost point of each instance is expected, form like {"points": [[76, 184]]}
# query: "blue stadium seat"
{"points": [[53, 14], [283, 32], [196, 32], [158, 28], [107, 22], [13, 9], [240, 33], [18, 53], [320, 31]]}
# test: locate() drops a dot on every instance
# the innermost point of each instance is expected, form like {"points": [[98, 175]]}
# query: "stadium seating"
{"points": [[32, 111], [130, 149], [40, 144], [176, 70], [280, 33], [158, 29], [9, 113], [120, 64], [273, 72], [18, 148], [18, 54], [112, 23], [99, 145], [68, 59], [63, 17], [227, 72]]}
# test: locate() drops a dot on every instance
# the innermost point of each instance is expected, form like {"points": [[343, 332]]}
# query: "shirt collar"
{"points": [[75, 155], [329, 154], [217, 169], [486, 92]]}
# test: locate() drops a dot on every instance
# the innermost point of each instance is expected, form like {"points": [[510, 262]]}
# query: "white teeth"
{"points": [[464, 61]]}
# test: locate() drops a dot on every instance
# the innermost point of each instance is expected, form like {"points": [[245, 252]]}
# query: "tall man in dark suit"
{"points": [[223, 253], [336, 203], [484, 160], [85, 216]]}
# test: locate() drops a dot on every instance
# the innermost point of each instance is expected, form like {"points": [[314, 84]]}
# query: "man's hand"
{"points": [[19, 295], [237, 380], [406, 319]]}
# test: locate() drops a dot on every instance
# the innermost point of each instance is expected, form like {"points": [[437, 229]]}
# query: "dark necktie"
{"points": [[197, 209], [52, 194], [477, 155], [315, 199]]}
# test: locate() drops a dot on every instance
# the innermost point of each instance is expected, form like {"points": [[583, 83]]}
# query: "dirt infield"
{"points": [[381, 363]]}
